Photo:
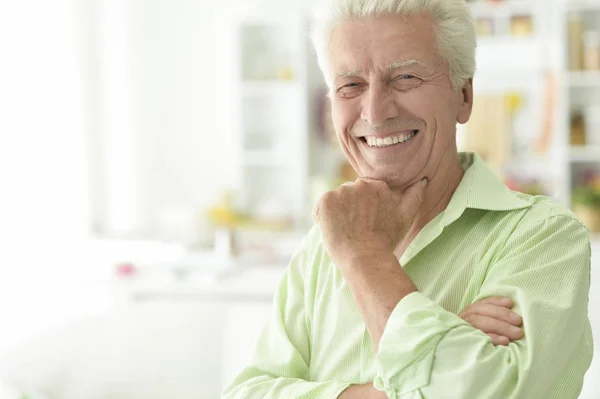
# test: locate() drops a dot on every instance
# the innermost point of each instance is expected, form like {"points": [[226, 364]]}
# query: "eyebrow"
{"points": [[392, 66], [403, 64], [348, 74]]}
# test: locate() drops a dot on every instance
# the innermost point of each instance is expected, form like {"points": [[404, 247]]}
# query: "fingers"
{"points": [[315, 214], [498, 301], [499, 340], [369, 180], [416, 191], [490, 325], [412, 198], [494, 317], [497, 312]]}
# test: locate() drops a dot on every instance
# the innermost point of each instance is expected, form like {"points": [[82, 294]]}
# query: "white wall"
{"points": [[51, 110], [43, 212]]}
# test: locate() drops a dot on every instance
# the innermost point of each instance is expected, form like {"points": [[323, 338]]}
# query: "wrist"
{"points": [[369, 258], [377, 272]]}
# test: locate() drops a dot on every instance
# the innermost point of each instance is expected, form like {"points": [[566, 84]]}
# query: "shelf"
{"points": [[269, 87], [583, 5], [585, 79], [585, 153], [526, 49]]}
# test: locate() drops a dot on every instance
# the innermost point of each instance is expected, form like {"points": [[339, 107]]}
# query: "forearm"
{"points": [[420, 331], [378, 284], [253, 385]]}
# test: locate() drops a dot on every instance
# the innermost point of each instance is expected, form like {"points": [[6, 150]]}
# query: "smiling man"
{"points": [[379, 302]]}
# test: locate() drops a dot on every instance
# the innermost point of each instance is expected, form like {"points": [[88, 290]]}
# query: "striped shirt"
{"points": [[489, 241]]}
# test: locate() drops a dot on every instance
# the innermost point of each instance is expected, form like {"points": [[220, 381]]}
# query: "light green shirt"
{"points": [[489, 241]]}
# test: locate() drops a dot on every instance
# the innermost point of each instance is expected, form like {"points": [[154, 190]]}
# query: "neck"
{"points": [[440, 189]]}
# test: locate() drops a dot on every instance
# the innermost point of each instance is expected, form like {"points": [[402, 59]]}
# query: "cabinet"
{"points": [[271, 114], [580, 106], [540, 59]]}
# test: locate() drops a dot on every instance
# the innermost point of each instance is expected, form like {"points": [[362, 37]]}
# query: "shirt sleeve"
{"points": [[280, 365], [428, 352]]}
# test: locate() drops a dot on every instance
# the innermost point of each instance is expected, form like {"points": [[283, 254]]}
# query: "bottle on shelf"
{"points": [[591, 50], [577, 133], [575, 30]]}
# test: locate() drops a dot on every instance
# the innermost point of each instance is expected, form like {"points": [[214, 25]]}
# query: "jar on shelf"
{"points": [[591, 50], [575, 30], [589, 216], [577, 131]]}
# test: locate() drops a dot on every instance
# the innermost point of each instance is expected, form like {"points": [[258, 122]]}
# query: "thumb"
{"points": [[413, 197]]}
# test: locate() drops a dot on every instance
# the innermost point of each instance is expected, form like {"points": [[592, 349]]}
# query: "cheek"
{"points": [[336, 116], [436, 108], [342, 114]]}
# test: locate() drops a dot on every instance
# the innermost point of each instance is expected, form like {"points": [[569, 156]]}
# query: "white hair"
{"points": [[453, 20]]}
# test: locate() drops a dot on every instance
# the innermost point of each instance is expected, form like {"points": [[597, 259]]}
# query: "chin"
{"points": [[392, 179]]}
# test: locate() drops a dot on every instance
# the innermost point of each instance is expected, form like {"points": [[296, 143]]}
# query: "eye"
{"points": [[406, 82], [349, 90]]}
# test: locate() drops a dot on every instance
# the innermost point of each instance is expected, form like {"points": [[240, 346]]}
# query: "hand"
{"points": [[365, 391], [494, 317], [366, 217]]}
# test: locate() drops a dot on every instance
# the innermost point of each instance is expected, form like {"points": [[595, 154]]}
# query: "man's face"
{"points": [[394, 109]]}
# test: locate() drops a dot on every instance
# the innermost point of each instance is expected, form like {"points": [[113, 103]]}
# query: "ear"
{"points": [[465, 98]]}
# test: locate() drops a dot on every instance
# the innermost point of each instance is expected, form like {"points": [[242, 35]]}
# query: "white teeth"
{"points": [[385, 142]]}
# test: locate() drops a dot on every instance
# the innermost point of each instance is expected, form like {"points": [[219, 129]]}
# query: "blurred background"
{"points": [[159, 161]]}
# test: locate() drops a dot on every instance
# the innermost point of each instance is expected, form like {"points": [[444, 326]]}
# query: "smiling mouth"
{"points": [[382, 142]]}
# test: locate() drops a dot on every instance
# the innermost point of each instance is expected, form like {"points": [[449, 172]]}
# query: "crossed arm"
{"points": [[416, 329], [267, 378]]}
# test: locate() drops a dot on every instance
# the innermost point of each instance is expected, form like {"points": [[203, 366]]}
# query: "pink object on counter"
{"points": [[127, 269]]}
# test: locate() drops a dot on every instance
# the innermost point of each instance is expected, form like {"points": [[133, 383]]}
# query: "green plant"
{"points": [[587, 196]]}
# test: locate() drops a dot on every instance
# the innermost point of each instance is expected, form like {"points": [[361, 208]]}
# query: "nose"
{"points": [[378, 105]]}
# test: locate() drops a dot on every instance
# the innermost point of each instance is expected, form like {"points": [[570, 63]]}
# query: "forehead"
{"points": [[380, 41]]}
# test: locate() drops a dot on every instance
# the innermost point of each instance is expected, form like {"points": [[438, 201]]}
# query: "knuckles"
{"points": [[468, 317], [328, 199], [363, 192]]}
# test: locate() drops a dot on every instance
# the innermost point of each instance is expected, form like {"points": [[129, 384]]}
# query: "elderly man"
{"points": [[370, 305]]}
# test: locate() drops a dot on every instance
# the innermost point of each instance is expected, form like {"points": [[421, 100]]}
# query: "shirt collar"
{"points": [[480, 188]]}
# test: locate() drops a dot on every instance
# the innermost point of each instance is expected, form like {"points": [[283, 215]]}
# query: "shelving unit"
{"points": [[510, 19], [271, 114], [581, 90], [583, 5], [539, 64], [584, 79], [587, 153], [516, 64]]}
